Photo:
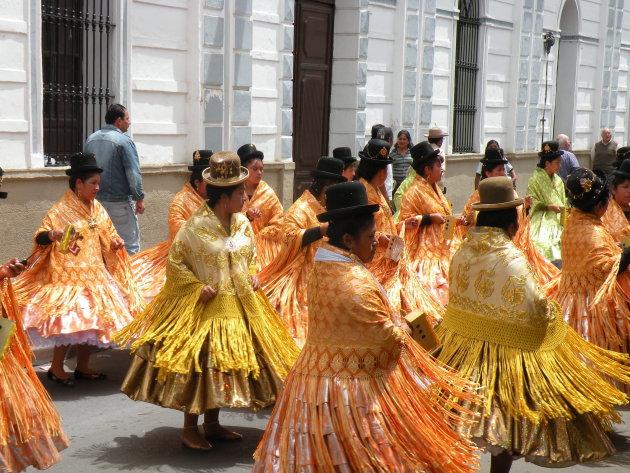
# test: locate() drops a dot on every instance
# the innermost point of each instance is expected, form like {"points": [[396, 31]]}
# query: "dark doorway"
{"points": [[312, 73]]}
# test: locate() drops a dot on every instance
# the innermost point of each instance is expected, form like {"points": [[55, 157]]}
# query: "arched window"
{"points": [[466, 49]]}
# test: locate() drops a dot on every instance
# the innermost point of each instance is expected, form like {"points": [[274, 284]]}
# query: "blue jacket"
{"points": [[115, 152]]}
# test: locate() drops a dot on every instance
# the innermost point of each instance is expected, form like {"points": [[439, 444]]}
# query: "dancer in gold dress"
{"points": [[149, 266], [210, 339], [616, 217], [262, 208], [284, 279], [362, 396], [546, 391]]}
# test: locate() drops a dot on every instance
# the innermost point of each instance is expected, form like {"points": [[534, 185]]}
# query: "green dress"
{"points": [[546, 225]]}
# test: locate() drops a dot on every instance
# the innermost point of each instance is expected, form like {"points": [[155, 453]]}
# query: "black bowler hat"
{"points": [[423, 151], [3, 195], [493, 156], [584, 187], [624, 169], [376, 151], [550, 150], [201, 160], [329, 168], [81, 163], [248, 152], [346, 200], [345, 154]]}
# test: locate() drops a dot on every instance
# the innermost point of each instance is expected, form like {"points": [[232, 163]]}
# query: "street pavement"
{"points": [[111, 433]]}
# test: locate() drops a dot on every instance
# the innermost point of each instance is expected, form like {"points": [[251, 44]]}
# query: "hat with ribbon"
{"points": [[377, 151], [422, 152], [225, 170], [345, 154], [550, 150], [496, 193], [248, 152], [201, 160], [346, 200], [436, 132], [584, 187], [329, 168], [83, 163], [493, 156]]}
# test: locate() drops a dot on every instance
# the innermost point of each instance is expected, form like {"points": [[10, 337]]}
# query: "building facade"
{"points": [[298, 78]]}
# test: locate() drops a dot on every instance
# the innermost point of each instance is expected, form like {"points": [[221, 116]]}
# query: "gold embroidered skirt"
{"points": [[196, 392]]}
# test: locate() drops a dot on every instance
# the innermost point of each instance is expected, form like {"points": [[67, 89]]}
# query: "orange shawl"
{"points": [[284, 279], [149, 266], [430, 254], [615, 221], [595, 300], [267, 227], [402, 284]]}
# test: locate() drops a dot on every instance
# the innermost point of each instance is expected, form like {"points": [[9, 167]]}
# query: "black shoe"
{"points": [[89, 376], [65, 382]]}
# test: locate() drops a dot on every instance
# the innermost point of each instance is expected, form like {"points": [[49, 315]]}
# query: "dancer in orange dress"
{"points": [[30, 427], [429, 252], [492, 165], [284, 279], [349, 162], [262, 208], [361, 396], [149, 266], [616, 217], [404, 288], [79, 291], [547, 395], [594, 286]]}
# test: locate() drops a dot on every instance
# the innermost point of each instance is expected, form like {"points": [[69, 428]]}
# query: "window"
{"points": [[465, 107], [76, 73]]}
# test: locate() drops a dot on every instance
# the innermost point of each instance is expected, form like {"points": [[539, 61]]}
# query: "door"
{"points": [[314, 22]]}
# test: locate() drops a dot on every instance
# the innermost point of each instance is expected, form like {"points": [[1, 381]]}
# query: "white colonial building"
{"points": [[297, 78]]}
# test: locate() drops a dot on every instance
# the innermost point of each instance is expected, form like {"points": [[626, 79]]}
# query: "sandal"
{"points": [[205, 447], [223, 435], [89, 376], [67, 382]]}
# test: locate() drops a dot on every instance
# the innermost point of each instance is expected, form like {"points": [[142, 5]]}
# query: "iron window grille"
{"points": [[466, 67], [76, 73]]}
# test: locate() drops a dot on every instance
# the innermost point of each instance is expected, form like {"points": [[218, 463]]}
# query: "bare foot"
{"points": [[192, 438], [215, 431]]}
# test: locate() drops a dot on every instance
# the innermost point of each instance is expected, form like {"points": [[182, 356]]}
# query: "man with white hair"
{"points": [[604, 153], [568, 162]]}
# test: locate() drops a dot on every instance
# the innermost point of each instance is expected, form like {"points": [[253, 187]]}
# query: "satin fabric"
{"points": [[284, 279], [83, 298], [546, 226], [149, 266], [615, 221], [361, 395], [30, 426], [429, 252], [267, 229]]}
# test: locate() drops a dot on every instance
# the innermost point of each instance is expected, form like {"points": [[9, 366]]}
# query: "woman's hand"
{"points": [[254, 282], [11, 268], [253, 213], [527, 201], [55, 235], [554, 208], [411, 223], [383, 240], [323, 228], [117, 243], [437, 218], [207, 293]]}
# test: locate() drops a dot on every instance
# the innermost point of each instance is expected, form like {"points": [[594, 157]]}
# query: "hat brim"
{"points": [[493, 161], [348, 212], [438, 136], [384, 162], [625, 175], [436, 152], [347, 159], [553, 155], [233, 181], [499, 206], [83, 170], [328, 175]]}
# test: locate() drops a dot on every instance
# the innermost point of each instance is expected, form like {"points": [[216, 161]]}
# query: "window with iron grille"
{"points": [[466, 50], [76, 73]]}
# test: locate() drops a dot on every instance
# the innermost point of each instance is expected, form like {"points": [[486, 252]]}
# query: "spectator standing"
{"points": [[568, 161], [604, 153], [121, 191], [401, 157]]}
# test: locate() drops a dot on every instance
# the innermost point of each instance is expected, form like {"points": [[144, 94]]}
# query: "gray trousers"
{"points": [[125, 220]]}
